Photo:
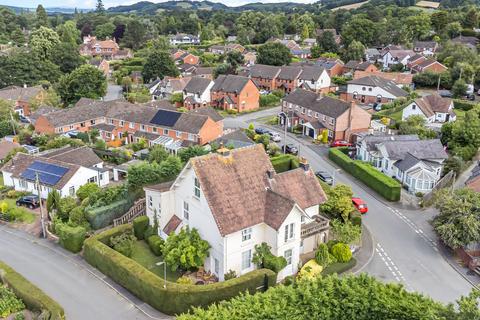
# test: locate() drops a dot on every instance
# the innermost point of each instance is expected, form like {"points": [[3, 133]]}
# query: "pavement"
{"points": [[81, 290], [114, 92], [406, 248]]}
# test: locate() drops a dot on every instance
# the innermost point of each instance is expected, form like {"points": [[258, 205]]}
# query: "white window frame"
{"points": [[289, 232], [196, 188], [247, 259], [71, 191], [186, 211], [246, 234], [288, 255]]}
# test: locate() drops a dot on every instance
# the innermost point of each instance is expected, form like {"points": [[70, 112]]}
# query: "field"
{"points": [[350, 6]]}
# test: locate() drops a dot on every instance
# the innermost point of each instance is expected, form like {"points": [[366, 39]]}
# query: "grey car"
{"points": [[325, 177]]}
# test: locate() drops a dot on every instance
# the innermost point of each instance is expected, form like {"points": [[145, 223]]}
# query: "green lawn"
{"points": [[460, 114], [144, 256], [339, 267], [22, 214]]}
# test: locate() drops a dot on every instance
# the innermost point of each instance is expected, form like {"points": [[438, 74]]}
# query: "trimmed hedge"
{"points": [[463, 105], [71, 238], [103, 216], [387, 187], [339, 267], [156, 244], [33, 298], [147, 286], [284, 162], [140, 225]]}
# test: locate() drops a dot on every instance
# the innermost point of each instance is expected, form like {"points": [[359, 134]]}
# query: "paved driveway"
{"points": [[114, 92], [404, 252], [83, 292]]}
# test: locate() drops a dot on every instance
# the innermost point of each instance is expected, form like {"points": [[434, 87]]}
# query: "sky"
{"points": [[113, 3]]}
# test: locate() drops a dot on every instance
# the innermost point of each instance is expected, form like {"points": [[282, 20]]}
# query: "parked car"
{"points": [[360, 205], [30, 201], [290, 148], [340, 143], [261, 131], [274, 136], [377, 106], [23, 119], [445, 94], [325, 177]]}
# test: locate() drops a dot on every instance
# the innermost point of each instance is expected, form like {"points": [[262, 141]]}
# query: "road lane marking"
{"points": [[392, 267]]}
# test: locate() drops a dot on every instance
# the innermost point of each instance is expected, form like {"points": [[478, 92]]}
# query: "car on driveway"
{"points": [[340, 143], [290, 148], [261, 131], [274, 136], [30, 201], [325, 177], [360, 204]]}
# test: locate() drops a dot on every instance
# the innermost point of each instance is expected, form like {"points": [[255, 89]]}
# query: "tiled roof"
{"points": [[421, 149], [289, 73], [240, 194], [397, 77], [264, 71], [373, 140], [326, 105], [230, 83], [7, 146], [197, 85], [375, 81], [208, 111], [433, 103], [82, 156], [15, 93]]}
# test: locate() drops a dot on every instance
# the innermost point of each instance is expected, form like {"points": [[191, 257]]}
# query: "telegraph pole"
{"points": [[13, 124], [42, 219]]}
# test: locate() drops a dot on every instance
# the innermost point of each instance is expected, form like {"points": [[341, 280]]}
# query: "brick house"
{"points": [[333, 66], [120, 120], [403, 80], [315, 113], [107, 49], [22, 97], [372, 89], [473, 182], [188, 58], [197, 93], [231, 92], [426, 48], [287, 78], [429, 65], [102, 65], [351, 66], [265, 76]]}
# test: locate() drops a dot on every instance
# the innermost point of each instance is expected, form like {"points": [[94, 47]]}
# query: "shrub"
{"points": [[9, 303], [71, 238], [463, 105], [147, 286], [310, 270], [356, 218], [104, 216], [185, 280], [65, 206], [77, 218], [123, 243], [231, 274], [185, 250], [342, 252], [87, 190], [284, 162], [339, 267], [156, 244], [34, 298], [321, 255], [3, 207], [387, 187], [331, 243], [140, 225], [264, 258]]}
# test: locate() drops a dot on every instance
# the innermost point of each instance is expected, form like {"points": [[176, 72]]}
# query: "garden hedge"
{"points": [[339, 267], [33, 298], [386, 186], [284, 162], [147, 286], [103, 216], [140, 225], [71, 238], [463, 105], [156, 244]]}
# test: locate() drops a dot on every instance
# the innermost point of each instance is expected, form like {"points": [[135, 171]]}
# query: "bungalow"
{"points": [[231, 92], [414, 60], [433, 108], [187, 58], [197, 93], [416, 163], [372, 89], [429, 65], [469, 42], [402, 80], [6, 147], [204, 72], [22, 97], [315, 113], [426, 48], [236, 201], [182, 38], [64, 170]]}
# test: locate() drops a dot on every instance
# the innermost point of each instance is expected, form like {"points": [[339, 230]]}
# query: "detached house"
{"points": [[64, 170], [372, 89], [182, 38], [169, 86], [197, 93], [333, 66], [429, 65], [426, 48], [395, 56], [231, 92], [416, 163], [236, 200], [107, 49], [21, 97], [351, 66], [315, 113], [433, 108]]}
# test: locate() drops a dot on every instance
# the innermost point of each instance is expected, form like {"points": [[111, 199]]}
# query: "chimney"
{"points": [[270, 173], [304, 164], [223, 151]]}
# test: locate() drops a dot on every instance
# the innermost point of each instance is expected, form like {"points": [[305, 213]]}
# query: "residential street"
{"points": [[83, 292], [404, 251]]}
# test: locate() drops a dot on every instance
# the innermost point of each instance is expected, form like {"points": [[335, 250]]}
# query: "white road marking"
{"points": [[392, 267]]}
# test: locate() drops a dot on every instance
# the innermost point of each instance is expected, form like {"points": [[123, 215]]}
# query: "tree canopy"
{"points": [[275, 54]]}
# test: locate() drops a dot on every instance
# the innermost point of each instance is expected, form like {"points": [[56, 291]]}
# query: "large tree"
{"points": [[66, 56], [355, 51], [159, 64], [105, 30], [85, 81], [41, 17], [43, 41], [135, 34], [339, 202], [274, 54], [326, 42]]}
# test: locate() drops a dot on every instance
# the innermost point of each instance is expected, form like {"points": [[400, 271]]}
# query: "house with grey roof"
{"points": [[434, 108], [416, 163], [21, 97], [317, 114], [197, 93], [372, 89]]}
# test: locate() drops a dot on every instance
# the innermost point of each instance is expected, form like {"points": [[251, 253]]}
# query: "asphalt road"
{"points": [[404, 251], [83, 292]]}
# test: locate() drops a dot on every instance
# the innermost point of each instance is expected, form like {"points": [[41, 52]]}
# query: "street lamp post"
{"points": [[164, 272]]}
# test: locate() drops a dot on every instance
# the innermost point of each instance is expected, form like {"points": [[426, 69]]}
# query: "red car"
{"points": [[360, 205], [340, 143]]}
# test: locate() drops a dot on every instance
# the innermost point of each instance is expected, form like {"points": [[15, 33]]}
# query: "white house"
{"points": [[314, 78], [393, 56], [64, 170], [372, 89], [236, 201], [182, 38], [416, 163], [197, 92], [433, 108]]}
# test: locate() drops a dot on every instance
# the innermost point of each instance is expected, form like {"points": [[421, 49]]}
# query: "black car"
{"points": [[23, 119], [30, 201], [325, 177], [290, 148], [261, 131]]}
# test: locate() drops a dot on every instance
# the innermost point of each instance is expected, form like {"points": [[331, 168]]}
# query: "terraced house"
{"points": [[231, 92], [123, 122]]}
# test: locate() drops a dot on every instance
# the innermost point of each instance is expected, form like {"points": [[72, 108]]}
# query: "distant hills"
{"points": [[49, 10]]}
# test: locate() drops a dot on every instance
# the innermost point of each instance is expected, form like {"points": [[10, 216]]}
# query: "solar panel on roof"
{"points": [[47, 173], [165, 118]]}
